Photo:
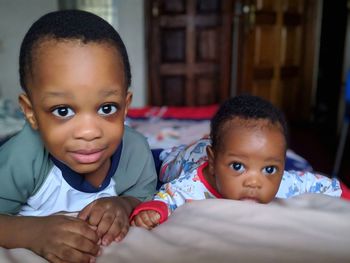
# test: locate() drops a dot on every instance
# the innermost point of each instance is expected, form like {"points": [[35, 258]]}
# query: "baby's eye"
{"points": [[63, 112], [269, 170], [107, 109], [239, 167]]}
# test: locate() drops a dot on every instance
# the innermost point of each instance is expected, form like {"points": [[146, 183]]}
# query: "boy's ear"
{"points": [[27, 109], [211, 159], [128, 101]]}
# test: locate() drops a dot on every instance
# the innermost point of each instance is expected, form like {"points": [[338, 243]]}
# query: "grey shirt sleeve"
{"points": [[136, 174], [24, 165]]}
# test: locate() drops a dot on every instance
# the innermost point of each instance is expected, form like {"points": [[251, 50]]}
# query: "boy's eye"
{"points": [[239, 167], [107, 109], [63, 112], [269, 170]]}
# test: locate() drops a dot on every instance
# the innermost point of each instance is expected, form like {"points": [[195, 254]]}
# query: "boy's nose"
{"points": [[87, 128]]}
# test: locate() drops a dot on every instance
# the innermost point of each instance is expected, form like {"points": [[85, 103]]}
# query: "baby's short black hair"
{"points": [[246, 107], [69, 25]]}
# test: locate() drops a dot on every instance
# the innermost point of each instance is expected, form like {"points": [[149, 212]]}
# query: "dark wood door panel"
{"points": [[189, 51]]}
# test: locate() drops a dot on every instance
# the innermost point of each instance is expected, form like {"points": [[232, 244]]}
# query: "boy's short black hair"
{"points": [[245, 107], [69, 25]]}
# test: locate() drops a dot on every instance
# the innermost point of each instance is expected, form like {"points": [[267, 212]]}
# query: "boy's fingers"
{"points": [[83, 244], [70, 254], [122, 234], [87, 231], [106, 222], [84, 213], [95, 215], [117, 229]]}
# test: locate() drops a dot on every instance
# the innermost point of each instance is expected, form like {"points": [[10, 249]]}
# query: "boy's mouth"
{"points": [[87, 156]]}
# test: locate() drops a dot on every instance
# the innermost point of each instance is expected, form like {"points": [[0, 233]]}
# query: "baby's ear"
{"points": [[211, 159], [27, 109]]}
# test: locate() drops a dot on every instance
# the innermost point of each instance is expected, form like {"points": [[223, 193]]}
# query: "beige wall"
{"points": [[15, 18]]}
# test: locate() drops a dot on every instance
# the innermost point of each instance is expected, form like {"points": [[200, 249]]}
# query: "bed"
{"points": [[307, 228]]}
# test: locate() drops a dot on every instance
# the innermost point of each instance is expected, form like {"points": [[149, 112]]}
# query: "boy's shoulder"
{"points": [[136, 174], [133, 138], [24, 143], [24, 164]]}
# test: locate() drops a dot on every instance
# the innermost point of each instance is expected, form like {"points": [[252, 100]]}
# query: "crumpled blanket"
{"points": [[307, 228]]}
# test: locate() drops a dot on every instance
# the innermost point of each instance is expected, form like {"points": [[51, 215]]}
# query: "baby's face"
{"points": [[250, 162], [78, 102]]}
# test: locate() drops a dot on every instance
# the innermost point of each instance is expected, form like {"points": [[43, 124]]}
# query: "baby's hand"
{"points": [[147, 219], [110, 216], [62, 239]]}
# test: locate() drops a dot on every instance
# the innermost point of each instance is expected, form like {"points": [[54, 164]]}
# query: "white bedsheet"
{"points": [[309, 228]]}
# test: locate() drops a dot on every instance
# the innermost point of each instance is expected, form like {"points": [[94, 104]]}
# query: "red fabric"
{"points": [[203, 112], [157, 206], [192, 113], [144, 112], [345, 194]]}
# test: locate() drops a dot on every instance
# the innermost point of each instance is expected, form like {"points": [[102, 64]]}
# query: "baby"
{"points": [[245, 162]]}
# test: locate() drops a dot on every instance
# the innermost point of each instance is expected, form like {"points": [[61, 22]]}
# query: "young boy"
{"points": [[244, 161], [74, 155]]}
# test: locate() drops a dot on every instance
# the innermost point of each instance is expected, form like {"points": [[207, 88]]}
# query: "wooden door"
{"points": [[202, 51], [189, 51], [277, 53]]}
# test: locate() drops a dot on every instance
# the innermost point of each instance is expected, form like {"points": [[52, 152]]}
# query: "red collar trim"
{"points": [[211, 189]]}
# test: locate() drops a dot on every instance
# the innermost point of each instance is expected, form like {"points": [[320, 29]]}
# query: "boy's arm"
{"points": [[55, 238]]}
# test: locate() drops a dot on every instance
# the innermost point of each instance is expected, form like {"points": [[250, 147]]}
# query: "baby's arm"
{"points": [[149, 214], [55, 238], [110, 215], [152, 213], [298, 182]]}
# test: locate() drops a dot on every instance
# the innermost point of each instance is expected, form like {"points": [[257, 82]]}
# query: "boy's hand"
{"points": [[147, 219], [61, 239], [111, 217]]}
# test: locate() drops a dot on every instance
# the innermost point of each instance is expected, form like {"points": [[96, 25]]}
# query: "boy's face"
{"points": [[249, 163], [78, 101]]}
